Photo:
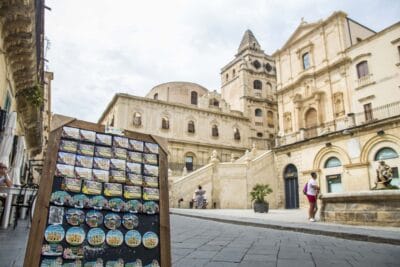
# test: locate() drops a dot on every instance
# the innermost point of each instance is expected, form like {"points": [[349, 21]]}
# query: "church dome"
{"points": [[178, 92]]}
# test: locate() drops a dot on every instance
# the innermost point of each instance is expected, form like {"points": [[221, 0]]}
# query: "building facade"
{"points": [[196, 121]]}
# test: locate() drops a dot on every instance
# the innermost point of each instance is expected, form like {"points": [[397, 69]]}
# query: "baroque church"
{"points": [[327, 101]]}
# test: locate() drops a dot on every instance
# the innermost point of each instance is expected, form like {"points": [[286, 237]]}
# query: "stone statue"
{"points": [[383, 175]]}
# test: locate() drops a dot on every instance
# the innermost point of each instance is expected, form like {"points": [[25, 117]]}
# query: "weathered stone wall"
{"points": [[367, 208]]}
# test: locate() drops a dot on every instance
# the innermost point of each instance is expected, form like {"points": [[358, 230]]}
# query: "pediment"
{"points": [[302, 30]]}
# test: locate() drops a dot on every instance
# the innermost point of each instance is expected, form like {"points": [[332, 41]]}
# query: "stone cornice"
{"points": [[210, 145], [164, 103]]}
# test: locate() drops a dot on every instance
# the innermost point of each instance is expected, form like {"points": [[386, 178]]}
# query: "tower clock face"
{"points": [[268, 67]]}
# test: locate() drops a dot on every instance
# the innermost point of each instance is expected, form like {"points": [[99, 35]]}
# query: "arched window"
{"points": [[268, 89], [214, 131], [227, 77], [234, 73], [270, 118], [165, 123], [258, 112], [386, 153], [189, 163], [257, 84], [236, 134], [362, 69], [191, 127], [155, 96], [137, 119], [332, 162], [306, 60], [193, 98]]}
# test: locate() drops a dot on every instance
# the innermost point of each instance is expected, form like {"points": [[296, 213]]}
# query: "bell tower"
{"points": [[248, 84]]}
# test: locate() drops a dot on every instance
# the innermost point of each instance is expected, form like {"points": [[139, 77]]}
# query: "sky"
{"points": [[97, 48]]}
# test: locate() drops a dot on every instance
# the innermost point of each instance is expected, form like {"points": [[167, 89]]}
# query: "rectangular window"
{"points": [[334, 183], [395, 178], [368, 112], [362, 69], [306, 60], [7, 104]]}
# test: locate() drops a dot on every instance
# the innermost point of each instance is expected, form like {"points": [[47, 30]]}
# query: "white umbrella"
{"points": [[17, 163], [7, 139]]}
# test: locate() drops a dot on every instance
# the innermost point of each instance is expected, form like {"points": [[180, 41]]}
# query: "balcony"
{"points": [[364, 81], [352, 120]]}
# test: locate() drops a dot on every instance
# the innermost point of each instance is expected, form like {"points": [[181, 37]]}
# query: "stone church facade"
{"points": [[327, 101]]}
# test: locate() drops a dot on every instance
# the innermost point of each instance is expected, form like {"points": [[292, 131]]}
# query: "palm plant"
{"points": [[259, 192]]}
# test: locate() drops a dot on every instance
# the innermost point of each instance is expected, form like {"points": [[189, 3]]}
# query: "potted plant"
{"points": [[258, 194]]}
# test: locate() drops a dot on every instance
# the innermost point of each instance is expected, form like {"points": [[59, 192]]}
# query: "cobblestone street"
{"points": [[197, 242]]}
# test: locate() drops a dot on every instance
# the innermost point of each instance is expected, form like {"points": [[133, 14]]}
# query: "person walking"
{"points": [[198, 198], [312, 193]]}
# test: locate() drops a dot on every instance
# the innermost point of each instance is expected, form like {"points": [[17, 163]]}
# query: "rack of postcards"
{"points": [[104, 203]]}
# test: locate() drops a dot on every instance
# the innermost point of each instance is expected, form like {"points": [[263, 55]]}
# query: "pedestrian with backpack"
{"points": [[312, 193]]}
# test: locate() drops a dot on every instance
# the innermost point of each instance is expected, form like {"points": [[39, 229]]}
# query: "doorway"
{"points": [[291, 187]]}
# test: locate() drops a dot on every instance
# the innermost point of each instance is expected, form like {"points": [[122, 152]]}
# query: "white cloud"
{"points": [[99, 48]]}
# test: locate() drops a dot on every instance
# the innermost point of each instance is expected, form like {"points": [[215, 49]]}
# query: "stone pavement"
{"points": [[295, 220], [13, 245], [198, 242]]}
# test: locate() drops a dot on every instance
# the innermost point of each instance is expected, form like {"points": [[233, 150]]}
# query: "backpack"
{"points": [[305, 189]]}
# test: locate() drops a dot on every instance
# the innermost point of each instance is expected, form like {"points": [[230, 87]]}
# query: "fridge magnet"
{"points": [[99, 202], [117, 176], [154, 263], [94, 218], [54, 233], [72, 185], [117, 263], [137, 263], [96, 236], [135, 145], [75, 217], [134, 206], [119, 153], [112, 221], [135, 157], [114, 238], [91, 187], [150, 240], [56, 215], [52, 250], [130, 221], [65, 171], [100, 175], [81, 201], [116, 204], [75, 236], [97, 263], [68, 146], [76, 263], [150, 159], [84, 161], [61, 198], [73, 253], [151, 148], [58, 262], [117, 164], [151, 193], [134, 167], [150, 170], [121, 142], [150, 207], [103, 139], [150, 181], [101, 163], [87, 136], [83, 173], [66, 158], [134, 179], [112, 189], [103, 152], [133, 238], [85, 149], [132, 192], [70, 133]]}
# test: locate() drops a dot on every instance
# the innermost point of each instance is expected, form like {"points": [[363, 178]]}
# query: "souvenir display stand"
{"points": [[103, 201]]}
